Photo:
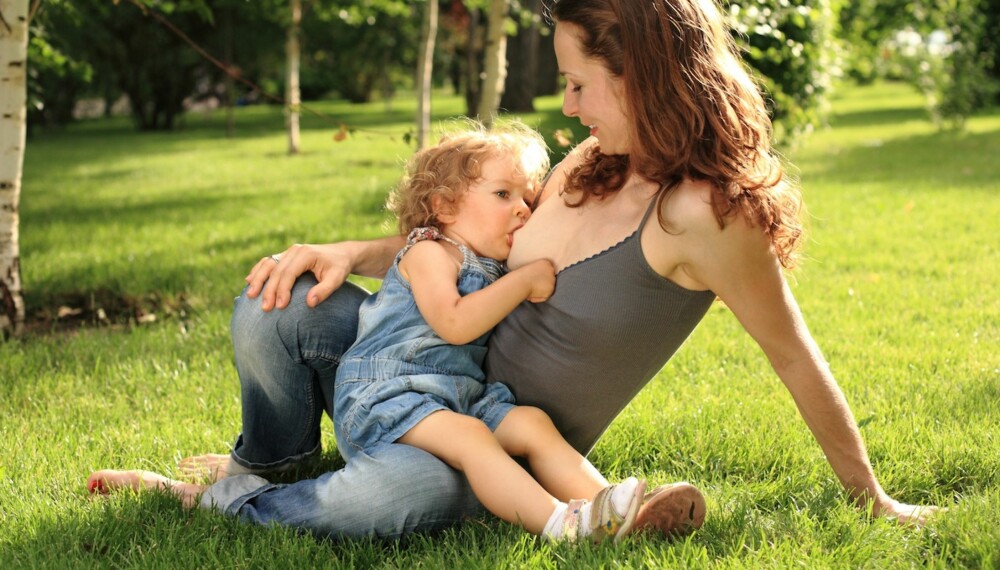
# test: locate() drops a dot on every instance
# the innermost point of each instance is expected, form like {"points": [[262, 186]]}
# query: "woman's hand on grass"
{"points": [[273, 278], [903, 513]]}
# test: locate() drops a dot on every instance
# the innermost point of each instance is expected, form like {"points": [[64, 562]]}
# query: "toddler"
{"points": [[414, 375]]}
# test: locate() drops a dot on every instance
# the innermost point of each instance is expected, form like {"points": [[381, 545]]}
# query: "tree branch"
{"points": [[33, 10]]}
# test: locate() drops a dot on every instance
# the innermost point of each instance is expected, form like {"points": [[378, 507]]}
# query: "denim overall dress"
{"points": [[399, 370]]}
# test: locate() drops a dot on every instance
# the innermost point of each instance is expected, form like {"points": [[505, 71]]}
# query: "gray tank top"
{"points": [[610, 326]]}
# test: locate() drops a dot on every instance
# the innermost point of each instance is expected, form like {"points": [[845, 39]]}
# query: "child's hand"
{"points": [[541, 275]]}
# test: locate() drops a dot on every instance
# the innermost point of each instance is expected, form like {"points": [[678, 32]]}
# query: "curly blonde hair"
{"points": [[449, 168]]}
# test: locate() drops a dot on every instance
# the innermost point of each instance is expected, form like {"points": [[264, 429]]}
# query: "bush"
{"points": [[789, 43], [950, 64], [948, 49], [54, 83]]}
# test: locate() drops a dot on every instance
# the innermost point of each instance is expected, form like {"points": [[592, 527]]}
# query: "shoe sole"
{"points": [[673, 511]]}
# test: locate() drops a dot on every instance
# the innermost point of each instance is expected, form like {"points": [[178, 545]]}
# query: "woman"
{"points": [[673, 200]]}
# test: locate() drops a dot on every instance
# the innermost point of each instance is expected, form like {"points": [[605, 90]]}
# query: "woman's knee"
{"points": [[328, 329], [332, 325]]}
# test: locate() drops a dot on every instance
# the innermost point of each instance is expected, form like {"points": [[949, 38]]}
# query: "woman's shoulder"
{"points": [[687, 212], [697, 251], [688, 207]]}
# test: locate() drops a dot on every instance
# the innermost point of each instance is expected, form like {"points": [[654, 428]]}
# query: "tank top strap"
{"points": [[649, 210]]}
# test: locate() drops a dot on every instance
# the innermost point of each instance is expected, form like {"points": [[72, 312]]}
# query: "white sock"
{"points": [[622, 496], [554, 527]]}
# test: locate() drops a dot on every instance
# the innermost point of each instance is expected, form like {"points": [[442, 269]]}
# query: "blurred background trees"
{"points": [[948, 49], [106, 53]]}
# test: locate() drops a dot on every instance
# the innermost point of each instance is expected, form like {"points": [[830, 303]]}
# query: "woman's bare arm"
{"points": [[738, 264]]}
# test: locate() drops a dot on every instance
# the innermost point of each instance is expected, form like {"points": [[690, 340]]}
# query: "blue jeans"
{"points": [[287, 362]]}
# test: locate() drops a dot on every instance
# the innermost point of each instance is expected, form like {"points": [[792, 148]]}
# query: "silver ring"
{"points": [[276, 258]]}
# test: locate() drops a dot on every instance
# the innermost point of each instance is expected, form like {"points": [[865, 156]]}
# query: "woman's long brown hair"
{"points": [[694, 112]]}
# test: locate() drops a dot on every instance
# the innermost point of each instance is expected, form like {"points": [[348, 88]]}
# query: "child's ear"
{"points": [[444, 210]]}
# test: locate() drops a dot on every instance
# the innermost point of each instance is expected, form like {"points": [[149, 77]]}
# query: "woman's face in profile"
{"points": [[592, 94]]}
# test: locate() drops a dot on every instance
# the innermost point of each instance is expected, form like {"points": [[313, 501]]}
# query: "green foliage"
{"points": [[968, 85], [57, 74], [55, 80], [990, 44], [129, 49], [153, 66], [863, 26], [948, 49], [789, 44], [357, 49], [201, 7]]}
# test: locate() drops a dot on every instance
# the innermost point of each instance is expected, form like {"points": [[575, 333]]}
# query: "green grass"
{"points": [[899, 289]]}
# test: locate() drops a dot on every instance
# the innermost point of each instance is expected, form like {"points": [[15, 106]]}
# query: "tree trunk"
{"points": [[522, 77], [13, 95], [473, 81], [548, 67], [495, 67], [229, 85], [292, 94], [425, 65]]}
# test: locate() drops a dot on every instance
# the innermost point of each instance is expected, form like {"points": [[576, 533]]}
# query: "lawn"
{"points": [[134, 244]]}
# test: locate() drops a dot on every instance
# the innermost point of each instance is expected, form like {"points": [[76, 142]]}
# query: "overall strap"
{"points": [[431, 233], [490, 267]]}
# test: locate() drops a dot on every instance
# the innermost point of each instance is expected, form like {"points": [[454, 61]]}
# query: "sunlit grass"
{"points": [[899, 288]]}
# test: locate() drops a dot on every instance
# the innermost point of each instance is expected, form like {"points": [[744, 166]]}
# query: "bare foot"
{"points": [[108, 480], [675, 509], [210, 467]]}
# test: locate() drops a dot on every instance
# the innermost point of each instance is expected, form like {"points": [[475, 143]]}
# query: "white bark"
{"points": [[495, 56], [293, 98], [13, 94], [425, 67]]}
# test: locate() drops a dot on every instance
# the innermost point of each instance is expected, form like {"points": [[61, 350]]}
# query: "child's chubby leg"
{"points": [[107, 481], [509, 492], [503, 486], [528, 432]]}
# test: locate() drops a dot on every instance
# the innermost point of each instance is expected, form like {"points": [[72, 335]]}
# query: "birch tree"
{"points": [[293, 96], [13, 94], [425, 67], [495, 65]]}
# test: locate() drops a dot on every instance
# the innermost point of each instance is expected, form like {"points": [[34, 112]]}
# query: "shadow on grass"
{"points": [[945, 159], [152, 531], [877, 117], [118, 138], [172, 209]]}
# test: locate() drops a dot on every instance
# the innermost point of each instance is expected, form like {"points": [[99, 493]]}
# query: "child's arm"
{"points": [[433, 275]]}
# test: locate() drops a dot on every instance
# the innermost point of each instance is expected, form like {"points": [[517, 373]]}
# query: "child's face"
{"points": [[487, 215]]}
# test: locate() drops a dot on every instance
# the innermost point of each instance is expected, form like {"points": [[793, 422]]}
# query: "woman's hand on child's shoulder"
{"points": [[541, 275]]}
